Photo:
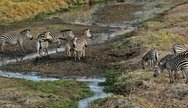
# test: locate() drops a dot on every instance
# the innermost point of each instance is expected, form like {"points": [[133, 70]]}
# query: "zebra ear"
{"points": [[27, 30]]}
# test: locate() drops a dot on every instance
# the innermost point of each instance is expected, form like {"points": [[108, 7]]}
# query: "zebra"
{"points": [[177, 48], [46, 37], [43, 49], [66, 35], [43, 40], [175, 64], [79, 44], [15, 40], [151, 56], [162, 63]]}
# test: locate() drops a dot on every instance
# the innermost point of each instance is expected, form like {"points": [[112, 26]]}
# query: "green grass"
{"points": [[98, 102], [50, 94]]}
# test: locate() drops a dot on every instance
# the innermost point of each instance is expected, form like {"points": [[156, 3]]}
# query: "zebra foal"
{"points": [[15, 40], [151, 56]]}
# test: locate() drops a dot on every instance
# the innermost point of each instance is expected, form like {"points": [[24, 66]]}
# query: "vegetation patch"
{"points": [[56, 94], [15, 10]]}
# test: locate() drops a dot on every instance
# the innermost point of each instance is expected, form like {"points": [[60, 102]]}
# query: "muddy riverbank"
{"points": [[121, 54], [98, 56]]}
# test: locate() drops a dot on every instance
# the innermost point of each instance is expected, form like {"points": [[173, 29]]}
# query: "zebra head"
{"points": [[71, 34], [74, 42], [26, 33], [49, 36], [157, 70]]}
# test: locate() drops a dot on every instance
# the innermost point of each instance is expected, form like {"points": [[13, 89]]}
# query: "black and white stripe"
{"points": [[45, 37], [177, 48], [43, 40], [80, 44], [151, 56], [14, 40], [162, 63], [175, 64]]}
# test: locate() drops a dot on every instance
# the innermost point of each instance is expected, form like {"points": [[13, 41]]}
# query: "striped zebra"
{"points": [[175, 64], [69, 36], [15, 40], [66, 35], [46, 37], [162, 63], [43, 40], [177, 48], [43, 48], [151, 56], [80, 44]]}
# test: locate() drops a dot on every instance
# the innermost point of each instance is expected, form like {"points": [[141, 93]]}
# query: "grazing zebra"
{"points": [[79, 44], [162, 63], [175, 64], [177, 48], [151, 56], [14, 40]]}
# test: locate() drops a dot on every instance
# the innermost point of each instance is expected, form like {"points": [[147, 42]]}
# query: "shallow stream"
{"points": [[86, 15]]}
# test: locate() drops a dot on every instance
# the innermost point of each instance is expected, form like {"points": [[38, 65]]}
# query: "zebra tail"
{"points": [[156, 56]]}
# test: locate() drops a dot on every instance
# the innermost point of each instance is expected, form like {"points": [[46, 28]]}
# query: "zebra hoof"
{"points": [[171, 82]]}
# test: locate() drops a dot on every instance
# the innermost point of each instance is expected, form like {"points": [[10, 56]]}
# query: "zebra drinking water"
{"points": [[15, 40], [79, 44], [151, 56]]}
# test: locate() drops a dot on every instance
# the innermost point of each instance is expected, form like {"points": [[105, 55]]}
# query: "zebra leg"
{"points": [[79, 55], [150, 64], [175, 75], [2, 47], [68, 52], [83, 55], [75, 55], [170, 75], [186, 73], [183, 73], [21, 45]]}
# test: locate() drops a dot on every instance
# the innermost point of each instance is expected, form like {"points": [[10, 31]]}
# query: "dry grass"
{"points": [[14, 10]]}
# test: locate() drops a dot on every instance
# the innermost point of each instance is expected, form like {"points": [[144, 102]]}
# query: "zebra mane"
{"points": [[65, 30], [85, 30], [26, 30]]}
